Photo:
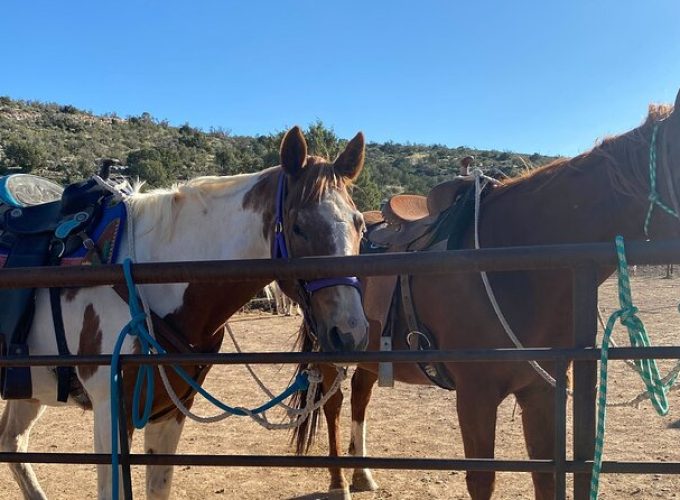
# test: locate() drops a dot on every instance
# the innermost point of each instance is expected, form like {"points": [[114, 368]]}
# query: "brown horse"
{"points": [[590, 198]]}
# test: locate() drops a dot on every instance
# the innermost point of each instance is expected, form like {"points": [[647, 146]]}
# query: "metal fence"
{"points": [[583, 260]]}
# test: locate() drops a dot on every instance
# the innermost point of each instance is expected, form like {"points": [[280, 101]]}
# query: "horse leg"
{"points": [[339, 488], [362, 386], [538, 420], [477, 405], [102, 444], [15, 426], [161, 437]]}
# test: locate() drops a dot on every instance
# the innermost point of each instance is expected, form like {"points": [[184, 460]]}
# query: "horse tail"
{"points": [[304, 434]]}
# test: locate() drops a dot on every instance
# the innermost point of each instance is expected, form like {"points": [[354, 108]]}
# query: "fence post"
{"points": [[560, 428], [585, 281]]}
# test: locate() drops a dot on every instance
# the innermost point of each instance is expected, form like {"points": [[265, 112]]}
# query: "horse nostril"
{"points": [[335, 338], [340, 341]]}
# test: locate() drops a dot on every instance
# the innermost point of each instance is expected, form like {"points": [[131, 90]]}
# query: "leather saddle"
{"points": [[409, 223], [410, 220], [39, 223]]}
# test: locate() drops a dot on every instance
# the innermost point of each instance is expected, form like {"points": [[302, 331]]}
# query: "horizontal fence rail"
{"points": [[348, 462], [452, 261], [262, 358]]}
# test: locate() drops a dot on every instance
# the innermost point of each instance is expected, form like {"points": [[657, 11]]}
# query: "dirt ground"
{"points": [[404, 421]]}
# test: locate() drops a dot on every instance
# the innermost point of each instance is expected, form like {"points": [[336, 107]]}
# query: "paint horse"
{"points": [[589, 198], [208, 218]]}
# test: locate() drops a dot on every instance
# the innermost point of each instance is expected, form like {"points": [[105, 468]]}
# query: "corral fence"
{"points": [[585, 261]]}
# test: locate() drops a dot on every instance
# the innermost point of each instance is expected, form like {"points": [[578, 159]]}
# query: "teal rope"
{"points": [[149, 346], [654, 197], [648, 369]]}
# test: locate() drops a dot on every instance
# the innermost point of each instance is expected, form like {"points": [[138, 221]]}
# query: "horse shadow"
{"points": [[319, 495]]}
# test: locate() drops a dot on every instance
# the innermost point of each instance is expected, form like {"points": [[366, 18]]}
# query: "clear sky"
{"points": [[544, 76]]}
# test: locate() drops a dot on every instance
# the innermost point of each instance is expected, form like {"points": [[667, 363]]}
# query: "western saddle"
{"points": [[411, 222], [40, 224]]}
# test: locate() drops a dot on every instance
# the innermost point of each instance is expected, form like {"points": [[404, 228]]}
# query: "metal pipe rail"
{"points": [[452, 261], [348, 462], [352, 358]]}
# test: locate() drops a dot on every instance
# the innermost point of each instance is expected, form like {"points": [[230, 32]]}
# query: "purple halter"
{"points": [[280, 249]]}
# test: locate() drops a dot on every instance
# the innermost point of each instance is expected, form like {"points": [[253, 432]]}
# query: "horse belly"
{"points": [[92, 320]]}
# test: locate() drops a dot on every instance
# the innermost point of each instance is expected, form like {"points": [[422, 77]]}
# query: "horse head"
{"points": [[663, 160], [316, 216]]}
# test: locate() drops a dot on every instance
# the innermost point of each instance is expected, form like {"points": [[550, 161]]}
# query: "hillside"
{"points": [[64, 143]]}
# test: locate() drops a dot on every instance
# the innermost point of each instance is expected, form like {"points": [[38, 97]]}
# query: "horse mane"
{"points": [[614, 151], [161, 204], [314, 181]]}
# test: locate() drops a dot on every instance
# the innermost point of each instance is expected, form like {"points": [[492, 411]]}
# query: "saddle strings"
{"points": [[479, 187]]}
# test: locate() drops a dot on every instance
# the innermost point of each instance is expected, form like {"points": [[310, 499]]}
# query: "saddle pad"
{"points": [[106, 236]]}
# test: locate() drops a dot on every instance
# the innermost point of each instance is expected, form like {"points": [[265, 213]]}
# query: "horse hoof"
{"points": [[339, 494], [363, 481]]}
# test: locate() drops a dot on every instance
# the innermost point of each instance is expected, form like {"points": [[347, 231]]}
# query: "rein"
{"points": [[305, 288]]}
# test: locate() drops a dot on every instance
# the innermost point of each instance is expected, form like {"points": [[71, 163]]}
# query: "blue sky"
{"points": [[542, 76]]}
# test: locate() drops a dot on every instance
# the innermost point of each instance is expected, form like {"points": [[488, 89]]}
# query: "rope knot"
{"points": [[653, 197], [314, 376], [627, 314], [137, 322]]}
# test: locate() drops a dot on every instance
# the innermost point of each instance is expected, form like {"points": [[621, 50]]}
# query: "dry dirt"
{"points": [[404, 421]]}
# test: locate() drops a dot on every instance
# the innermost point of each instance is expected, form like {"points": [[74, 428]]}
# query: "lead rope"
{"points": [[479, 187], [657, 388], [297, 416]]}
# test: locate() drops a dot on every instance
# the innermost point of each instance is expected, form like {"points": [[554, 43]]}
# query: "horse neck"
{"points": [[214, 225], [592, 197]]}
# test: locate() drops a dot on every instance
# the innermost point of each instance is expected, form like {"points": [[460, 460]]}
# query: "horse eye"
{"points": [[297, 231]]}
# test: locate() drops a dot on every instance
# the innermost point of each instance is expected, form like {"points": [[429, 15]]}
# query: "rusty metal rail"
{"points": [[490, 259]]}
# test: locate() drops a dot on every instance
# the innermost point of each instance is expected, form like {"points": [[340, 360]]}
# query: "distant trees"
{"points": [[64, 143], [147, 165], [21, 155]]}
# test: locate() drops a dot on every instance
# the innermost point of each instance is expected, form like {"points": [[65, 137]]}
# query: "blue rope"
{"points": [[145, 378]]}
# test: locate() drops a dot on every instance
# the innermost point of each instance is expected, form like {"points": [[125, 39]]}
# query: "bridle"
{"points": [[654, 196], [305, 289]]}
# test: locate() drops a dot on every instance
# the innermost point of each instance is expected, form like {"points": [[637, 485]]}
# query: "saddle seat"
{"points": [[29, 204], [409, 218], [24, 190]]}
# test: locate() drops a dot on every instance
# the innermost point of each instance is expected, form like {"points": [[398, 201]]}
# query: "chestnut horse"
{"points": [[208, 218], [590, 198]]}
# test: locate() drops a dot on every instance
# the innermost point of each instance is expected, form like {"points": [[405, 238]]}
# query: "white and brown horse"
{"points": [[207, 218]]}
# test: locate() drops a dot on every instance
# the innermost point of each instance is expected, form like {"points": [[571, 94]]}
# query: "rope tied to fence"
{"points": [[137, 327], [657, 388]]}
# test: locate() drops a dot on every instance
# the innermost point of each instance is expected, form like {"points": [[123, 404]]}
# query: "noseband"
{"points": [[280, 251]]}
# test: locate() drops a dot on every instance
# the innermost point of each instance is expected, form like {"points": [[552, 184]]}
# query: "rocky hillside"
{"points": [[64, 143]]}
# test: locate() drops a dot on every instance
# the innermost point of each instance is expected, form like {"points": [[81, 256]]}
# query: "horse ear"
{"points": [[351, 160], [293, 151]]}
